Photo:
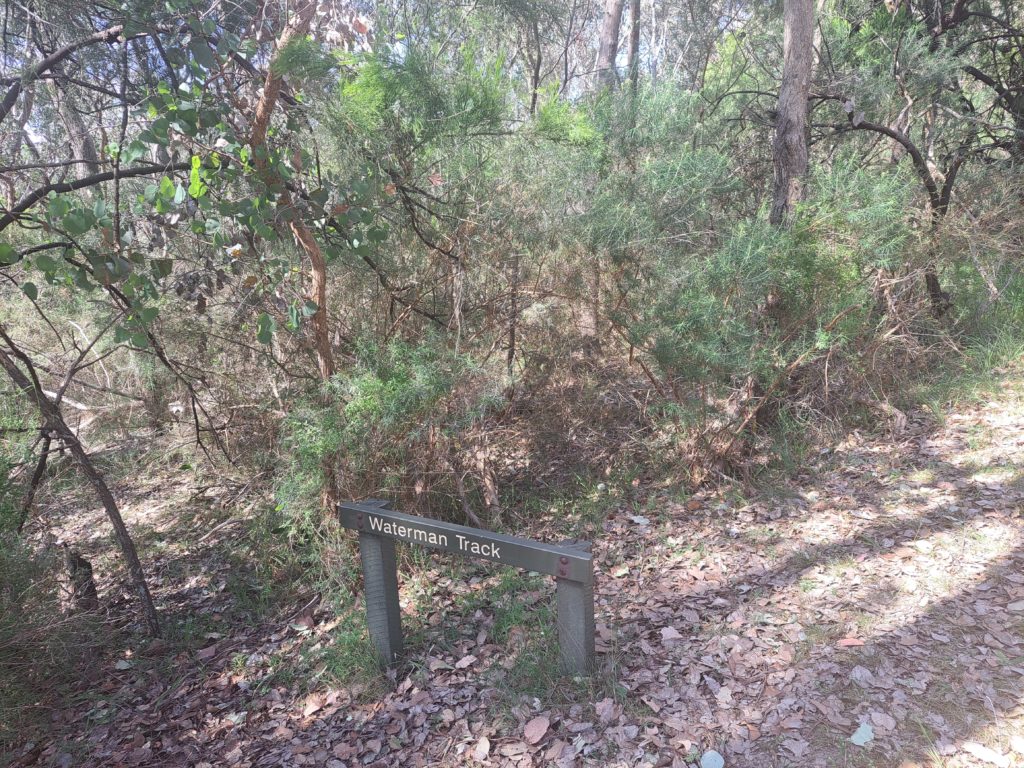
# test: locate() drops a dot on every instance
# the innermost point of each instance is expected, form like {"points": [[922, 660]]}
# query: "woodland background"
{"points": [[485, 259]]}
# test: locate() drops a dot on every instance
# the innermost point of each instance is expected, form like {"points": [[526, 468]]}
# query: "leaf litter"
{"points": [[875, 598]]}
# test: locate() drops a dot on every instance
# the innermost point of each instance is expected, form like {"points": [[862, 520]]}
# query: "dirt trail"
{"points": [[869, 612]]}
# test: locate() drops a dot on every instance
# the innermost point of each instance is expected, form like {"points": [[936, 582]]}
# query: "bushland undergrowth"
{"points": [[412, 257]]}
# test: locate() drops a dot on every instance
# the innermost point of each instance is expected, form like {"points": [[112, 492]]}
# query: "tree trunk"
{"points": [[33, 485], [54, 422], [79, 136], [297, 27], [790, 147], [634, 44], [535, 58], [609, 44]]}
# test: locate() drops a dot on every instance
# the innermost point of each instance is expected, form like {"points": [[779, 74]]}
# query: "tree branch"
{"points": [[38, 194], [55, 58]]}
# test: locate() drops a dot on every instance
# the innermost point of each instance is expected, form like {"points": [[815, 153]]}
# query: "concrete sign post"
{"points": [[379, 528]]}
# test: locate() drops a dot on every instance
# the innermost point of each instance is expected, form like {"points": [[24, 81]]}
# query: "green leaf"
{"points": [[47, 263], [30, 290], [196, 187], [81, 278], [162, 267], [158, 129], [320, 196], [120, 267], [202, 54], [8, 255], [309, 308], [78, 222], [133, 152], [140, 339], [167, 188], [132, 27], [58, 207], [265, 327]]}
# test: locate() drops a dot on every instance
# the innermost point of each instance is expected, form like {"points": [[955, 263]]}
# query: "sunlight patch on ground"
{"points": [[996, 474], [946, 564]]}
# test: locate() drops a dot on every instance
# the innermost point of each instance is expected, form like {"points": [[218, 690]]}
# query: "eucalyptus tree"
{"points": [[140, 134], [790, 151]]}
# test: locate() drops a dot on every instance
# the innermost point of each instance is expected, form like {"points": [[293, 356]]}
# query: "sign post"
{"points": [[379, 527]]}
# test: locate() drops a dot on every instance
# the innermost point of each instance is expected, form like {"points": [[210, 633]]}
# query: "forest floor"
{"points": [[868, 610]]}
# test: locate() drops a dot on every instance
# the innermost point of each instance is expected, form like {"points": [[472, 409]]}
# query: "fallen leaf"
{"points": [[205, 654], [605, 710], [849, 642], [988, 755], [482, 749], [863, 735], [712, 759], [670, 633], [535, 729], [862, 676], [797, 746], [343, 751], [555, 751], [882, 720], [314, 703], [464, 662], [513, 749]]}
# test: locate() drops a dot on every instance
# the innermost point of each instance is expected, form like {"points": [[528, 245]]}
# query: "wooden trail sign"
{"points": [[379, 528]]}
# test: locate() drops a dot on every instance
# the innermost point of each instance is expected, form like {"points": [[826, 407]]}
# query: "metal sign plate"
{"points": [[565, 562]]}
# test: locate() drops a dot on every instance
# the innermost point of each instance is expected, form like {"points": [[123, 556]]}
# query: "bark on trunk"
{"points": [[79, 135], [535, 58], [634, 44], [609, 43], [298, 26], [54, 421], [33, 485], [789, 150]]}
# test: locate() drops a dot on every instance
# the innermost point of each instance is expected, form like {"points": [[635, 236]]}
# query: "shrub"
{"points": [[40, 649]]}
